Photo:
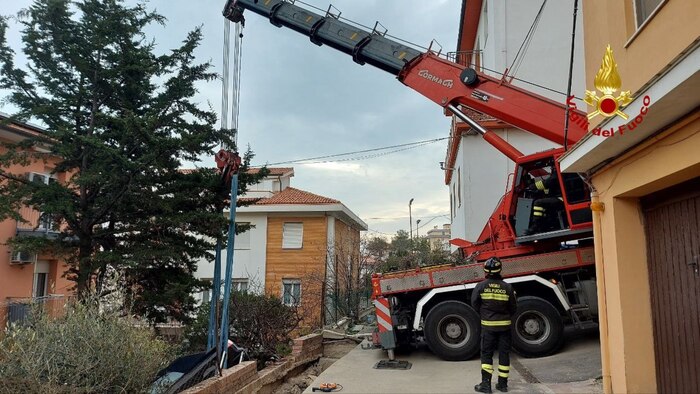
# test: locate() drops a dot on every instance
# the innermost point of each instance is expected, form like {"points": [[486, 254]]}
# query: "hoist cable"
{"points": [[526, 42], [571, 73], [237, 56], [225, 78]]}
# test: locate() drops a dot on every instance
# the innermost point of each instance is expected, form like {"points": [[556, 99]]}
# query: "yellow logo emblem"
{"points": [[608, 81]]}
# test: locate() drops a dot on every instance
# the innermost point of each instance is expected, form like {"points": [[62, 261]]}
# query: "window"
{"points": [[41, 276], [242, 239], [454, 200], [291, 292], [452, 212], [240, 285], [459, 187], [643, 9], [206, 295], [292, 235], [485, 19]]}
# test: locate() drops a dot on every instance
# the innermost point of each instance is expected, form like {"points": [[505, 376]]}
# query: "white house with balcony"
{"points": [[293, 233]]}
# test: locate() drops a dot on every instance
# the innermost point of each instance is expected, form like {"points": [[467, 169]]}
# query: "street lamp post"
{"points": [[417, 222], [410, 219]]}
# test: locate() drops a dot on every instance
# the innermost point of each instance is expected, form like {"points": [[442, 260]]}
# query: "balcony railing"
{"points": [[37, 224], [470, 59], [18, 310]]}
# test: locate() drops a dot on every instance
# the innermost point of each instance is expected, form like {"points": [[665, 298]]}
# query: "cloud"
{"points": [[336, 167]]}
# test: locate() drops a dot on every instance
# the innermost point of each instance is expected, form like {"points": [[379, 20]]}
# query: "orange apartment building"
{"points": [[646, 192], [24, 276]]}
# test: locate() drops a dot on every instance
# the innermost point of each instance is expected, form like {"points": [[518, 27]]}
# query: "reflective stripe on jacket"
{"points": [[495, 301]]}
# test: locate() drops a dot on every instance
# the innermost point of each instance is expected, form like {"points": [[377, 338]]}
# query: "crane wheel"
{"points": [[452, 330], [538, 329]]}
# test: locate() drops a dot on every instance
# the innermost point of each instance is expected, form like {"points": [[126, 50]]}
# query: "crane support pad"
{"points": [[400, 282]]}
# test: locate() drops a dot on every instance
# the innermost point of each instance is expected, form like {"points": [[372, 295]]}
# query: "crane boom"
{"points": [[446, 83]]}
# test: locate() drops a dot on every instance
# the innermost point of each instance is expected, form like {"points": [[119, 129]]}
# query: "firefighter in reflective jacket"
{"points": [[494, 300], [547, 205]]}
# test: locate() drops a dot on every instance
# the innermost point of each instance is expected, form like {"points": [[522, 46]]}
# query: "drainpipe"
{"points": [[598, 208]]}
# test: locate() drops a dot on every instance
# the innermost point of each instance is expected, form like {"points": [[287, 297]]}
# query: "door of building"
{"points": [[672, 220]]}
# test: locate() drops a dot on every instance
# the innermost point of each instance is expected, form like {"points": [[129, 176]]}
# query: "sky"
{"points": [[298, 100]]}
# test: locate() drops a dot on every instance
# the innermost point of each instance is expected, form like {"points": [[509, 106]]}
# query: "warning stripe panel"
{"points": [[383, 314]]}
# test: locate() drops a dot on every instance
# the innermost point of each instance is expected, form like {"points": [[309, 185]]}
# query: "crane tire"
{"points": [[538, 329], [452, 330]]}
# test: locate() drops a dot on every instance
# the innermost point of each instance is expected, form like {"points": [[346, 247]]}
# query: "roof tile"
{"points": [[292, 195]]}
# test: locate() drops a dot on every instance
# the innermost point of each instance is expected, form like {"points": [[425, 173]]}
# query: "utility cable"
{"points": [[409, 145]]}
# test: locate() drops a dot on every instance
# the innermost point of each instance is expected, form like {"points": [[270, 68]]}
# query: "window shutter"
{"points": [[292, 235], [243, 239]]}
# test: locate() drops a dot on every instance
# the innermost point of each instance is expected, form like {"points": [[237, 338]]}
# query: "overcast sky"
{"points": [[299, 101]]}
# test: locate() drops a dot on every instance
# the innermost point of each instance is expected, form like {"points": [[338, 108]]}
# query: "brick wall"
{"points": [[244, 379]]}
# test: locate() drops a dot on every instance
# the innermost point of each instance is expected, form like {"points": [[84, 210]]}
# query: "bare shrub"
{"points": [[82, 351], [260, 323]]}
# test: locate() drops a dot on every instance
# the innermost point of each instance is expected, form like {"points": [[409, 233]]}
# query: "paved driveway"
{"points": [[572, 370]]}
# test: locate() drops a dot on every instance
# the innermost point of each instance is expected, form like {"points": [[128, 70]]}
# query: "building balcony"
{"points": [[37, 224]]}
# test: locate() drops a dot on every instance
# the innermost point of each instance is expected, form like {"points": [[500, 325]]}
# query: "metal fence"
{"points": [[17, 311]]}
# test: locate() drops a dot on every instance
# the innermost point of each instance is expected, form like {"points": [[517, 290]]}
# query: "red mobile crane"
{"points": [[551, 267]]}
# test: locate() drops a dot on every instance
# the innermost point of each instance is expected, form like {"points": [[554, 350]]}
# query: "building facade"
{"points": [[301, 247], [645, 178], [439, 238], [26, 276], [491, 34]]}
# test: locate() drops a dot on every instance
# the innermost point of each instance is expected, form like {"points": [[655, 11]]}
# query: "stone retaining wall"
{"points": [[244, 379]]}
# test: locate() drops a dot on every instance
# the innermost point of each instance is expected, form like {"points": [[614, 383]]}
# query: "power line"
{"points": [[404, 217], [379, 232], [397, 148]]}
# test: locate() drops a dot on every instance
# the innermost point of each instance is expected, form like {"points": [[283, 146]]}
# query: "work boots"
{"points": [[485, 385], [502, 384]]}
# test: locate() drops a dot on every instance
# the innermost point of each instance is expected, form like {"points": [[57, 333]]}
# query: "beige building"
{"points": [[439, 238], [645, 179]]}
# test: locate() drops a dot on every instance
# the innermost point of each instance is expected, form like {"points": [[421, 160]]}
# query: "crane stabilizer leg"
{"points": [[490, 136]]}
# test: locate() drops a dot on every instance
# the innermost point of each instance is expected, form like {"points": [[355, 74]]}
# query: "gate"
{"points": [[672, 220]]}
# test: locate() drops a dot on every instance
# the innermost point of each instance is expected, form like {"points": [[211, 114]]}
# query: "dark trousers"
{"points": [[490, 341], [545, 215]]}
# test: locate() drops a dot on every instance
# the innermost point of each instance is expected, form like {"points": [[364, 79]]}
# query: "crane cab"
{"points": [[547, 203]]}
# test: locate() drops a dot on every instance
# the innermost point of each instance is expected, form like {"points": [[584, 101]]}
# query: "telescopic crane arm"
{"points": [[446, 83]]}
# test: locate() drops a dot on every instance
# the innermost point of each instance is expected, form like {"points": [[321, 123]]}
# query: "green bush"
{"points": [[259, 323], [83, 351]]}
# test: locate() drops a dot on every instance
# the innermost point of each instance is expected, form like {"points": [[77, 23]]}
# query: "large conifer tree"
{"points": [[122, 121]]}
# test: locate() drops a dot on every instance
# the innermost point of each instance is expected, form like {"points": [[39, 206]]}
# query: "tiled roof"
{"points": [[274, 171], [291, 195]]}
